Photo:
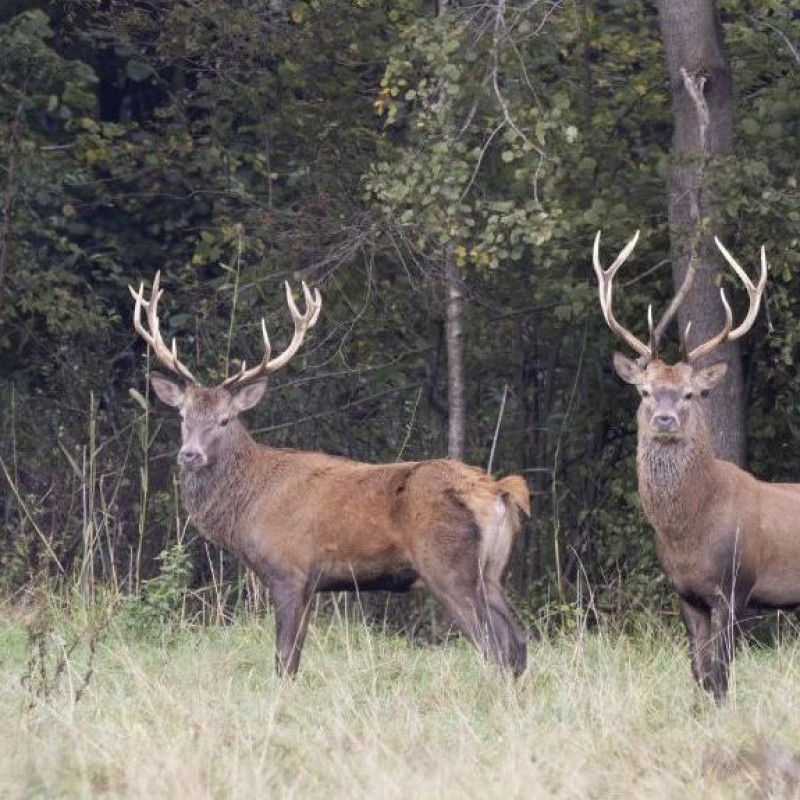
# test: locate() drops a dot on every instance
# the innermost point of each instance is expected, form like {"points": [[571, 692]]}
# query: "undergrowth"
{"points": [[99, 702]]}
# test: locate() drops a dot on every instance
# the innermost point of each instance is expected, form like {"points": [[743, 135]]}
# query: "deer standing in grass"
{"points": [[727, 542], [308, 522]]}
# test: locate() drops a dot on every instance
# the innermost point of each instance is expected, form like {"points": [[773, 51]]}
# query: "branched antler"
{"points": [[754, 294], [605, 280], [650, 351], [169, 358], [302, 324]]}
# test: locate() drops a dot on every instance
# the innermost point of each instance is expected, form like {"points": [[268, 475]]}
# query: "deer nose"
{"points": [[191, 458], [665, 423]]}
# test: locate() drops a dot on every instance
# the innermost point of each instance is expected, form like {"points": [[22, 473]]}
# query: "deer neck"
{"points": [[674, 477], [217, 496]]}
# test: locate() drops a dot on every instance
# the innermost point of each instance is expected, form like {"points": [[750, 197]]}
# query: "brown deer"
{"points": [[727, 542], [307, 522]]}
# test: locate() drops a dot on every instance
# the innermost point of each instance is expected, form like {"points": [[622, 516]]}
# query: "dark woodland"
{"points": [[438, 172]]}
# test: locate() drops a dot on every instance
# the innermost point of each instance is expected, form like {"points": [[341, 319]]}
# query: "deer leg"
{"points": [[291, 601], [470, 615], [498, 606], [724, 619], [697, 620], [470, 611]]}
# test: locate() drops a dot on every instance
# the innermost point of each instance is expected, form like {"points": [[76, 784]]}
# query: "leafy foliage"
{"points": [[352, 144], [165, 593]]}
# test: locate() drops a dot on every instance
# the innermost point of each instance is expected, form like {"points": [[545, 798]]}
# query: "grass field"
{"points": [[198, 713]]}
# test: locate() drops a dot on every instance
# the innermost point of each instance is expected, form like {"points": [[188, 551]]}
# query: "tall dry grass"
{"points": [[198, 713]]}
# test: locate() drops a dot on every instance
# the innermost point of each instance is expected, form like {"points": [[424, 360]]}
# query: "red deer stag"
{"points": [[308, 522], [727, 542]]}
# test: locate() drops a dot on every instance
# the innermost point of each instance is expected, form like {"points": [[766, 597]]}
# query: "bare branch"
{"points": [[8, 202], [499, 24], [787, 41]]}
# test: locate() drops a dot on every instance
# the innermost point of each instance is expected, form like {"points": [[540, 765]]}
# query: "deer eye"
{"points": [[224, 421], [688, 395], [645, 393]]}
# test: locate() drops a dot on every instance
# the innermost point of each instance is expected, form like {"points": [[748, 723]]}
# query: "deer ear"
{"points": [[167, 390], [707, 378], [628, 369], [249, 395]]}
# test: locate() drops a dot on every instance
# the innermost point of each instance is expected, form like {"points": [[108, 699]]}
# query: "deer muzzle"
{"points": [[191, 458], [664, 423]]}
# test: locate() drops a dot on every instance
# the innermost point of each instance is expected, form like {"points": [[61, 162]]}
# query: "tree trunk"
{"points": [[703, 130], [456, 411], [9, 199]]}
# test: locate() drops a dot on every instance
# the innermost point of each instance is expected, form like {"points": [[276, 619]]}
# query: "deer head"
{"points": [[669, 391], [209, 414]]}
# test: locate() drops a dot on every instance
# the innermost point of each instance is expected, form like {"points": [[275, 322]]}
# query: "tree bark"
{"points": [[456, 407], [8, 200], [703, 130]]}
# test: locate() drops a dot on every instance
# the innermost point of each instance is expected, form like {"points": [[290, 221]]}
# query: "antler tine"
{"points": [[169, 358], [754, 293], [302, 323], [652, 341], [605, 280], [316, 301], [715, 341]]}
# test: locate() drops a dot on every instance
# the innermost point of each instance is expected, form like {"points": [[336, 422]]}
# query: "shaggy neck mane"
{"points": [[218, 495], [672, 474]]}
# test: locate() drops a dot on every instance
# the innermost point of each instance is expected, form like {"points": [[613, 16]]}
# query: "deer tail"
{"points": [[511, 498], [515, 489]]}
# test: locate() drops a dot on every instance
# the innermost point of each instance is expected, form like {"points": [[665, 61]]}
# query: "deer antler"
{"points": [[605, 280], [302, 323], [754, 293], [169, 358]]}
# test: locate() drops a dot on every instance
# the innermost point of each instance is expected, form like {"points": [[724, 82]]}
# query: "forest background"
{"points": [[439, 171]]}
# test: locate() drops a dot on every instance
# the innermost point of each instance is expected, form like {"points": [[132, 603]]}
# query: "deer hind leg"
{"points": [[498, 607], [496, 538], [291, 600], [455, 582], [470, 614]]}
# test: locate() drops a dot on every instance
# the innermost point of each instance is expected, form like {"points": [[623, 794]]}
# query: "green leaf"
{"points": [[138, 398], [138, 71], [750, 126]]}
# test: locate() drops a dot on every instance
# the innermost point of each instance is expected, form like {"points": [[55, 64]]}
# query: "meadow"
{"points": [[197, 712]]}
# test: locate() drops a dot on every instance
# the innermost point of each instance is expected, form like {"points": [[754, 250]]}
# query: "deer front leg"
{"points": [[724, 620], [697, 619], [291, 601]]}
